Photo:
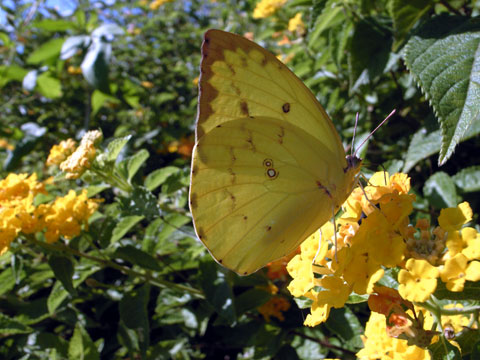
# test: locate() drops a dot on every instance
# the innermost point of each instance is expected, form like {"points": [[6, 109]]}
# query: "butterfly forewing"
{"points": [[240, 79]]}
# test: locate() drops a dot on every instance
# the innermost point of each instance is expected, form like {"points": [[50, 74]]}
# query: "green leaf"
{"points": [[54, 25], [9, 326], [471, 291], [170, 224], [424, 145], [440, 190], [421, 146], [369, 53], [443, 350], [124, 225], [12, 73], [93, 190], [46, 51], [475, 351], [158, 177], [81, 345], [49, 86], [286, 352], [468, 179], [332, 15], [405, 14], [141, 202], [46, 340], [250, 300], [32, 135], [7, 281], [217, 290], [135, 162], [442, 57], [63, 269], [95, 65], [99, 99], [59, 294], [138, 257], [468, 339], [133, 313], [345, 324], [115, 147]]}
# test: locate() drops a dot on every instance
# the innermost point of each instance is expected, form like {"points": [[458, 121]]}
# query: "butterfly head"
{"points": [[354, 165]]}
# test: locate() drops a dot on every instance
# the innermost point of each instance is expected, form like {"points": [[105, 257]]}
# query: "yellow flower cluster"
{"points": [[379, 344], [59, 153], [266, 8], [74, 70], [74, 163], [384, 239], [5, 145], [155, 4], [451, 254], [296, 25], [274, 308], [16, 206], [66, 215], [147, 84], [18, 214]]}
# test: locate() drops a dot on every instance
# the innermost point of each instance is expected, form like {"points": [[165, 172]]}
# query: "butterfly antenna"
{"points": [[370, 135], [354, 132]]}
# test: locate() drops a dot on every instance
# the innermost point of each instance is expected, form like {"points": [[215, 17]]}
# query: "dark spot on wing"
{"points": [[244, 108]]}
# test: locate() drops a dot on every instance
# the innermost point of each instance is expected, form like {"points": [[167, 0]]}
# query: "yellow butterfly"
{"points": [[268, 166]]}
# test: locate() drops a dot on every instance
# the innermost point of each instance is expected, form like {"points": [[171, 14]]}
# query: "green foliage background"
{"points": [[139, 284]]}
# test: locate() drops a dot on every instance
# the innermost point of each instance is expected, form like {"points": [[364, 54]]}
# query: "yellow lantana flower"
{"points": [[266, 8], [58, 153], [154, 5], [362, 252], [296, 25], [378, 345], [66, 216], [81, 159], [274, 308], [147, 84], [457, 270], [5, 145], [453, 218], [418, 280], [17, 213], [465, 241]]}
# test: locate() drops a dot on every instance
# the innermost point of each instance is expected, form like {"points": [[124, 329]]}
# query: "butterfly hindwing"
{"points": [[250, 178]]}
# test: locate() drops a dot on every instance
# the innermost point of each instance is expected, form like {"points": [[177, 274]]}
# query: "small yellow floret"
{"points": [[418, 281], [453, 218], [274, 307], [296, 24], [58, 153], [266, 8], [81, 159], [154, 5]]}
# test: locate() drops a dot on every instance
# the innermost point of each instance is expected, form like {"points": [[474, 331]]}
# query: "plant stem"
{"points": [[59, 247]]}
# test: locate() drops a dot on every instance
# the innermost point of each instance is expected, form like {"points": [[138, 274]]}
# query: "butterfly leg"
{"points": [[319, 245]]}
